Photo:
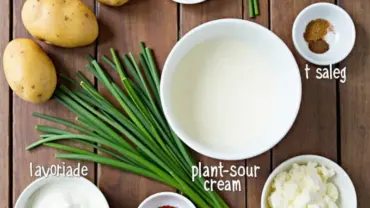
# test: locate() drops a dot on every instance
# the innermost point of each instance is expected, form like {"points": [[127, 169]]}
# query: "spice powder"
{"points": [[315, 33], [318, 46]]}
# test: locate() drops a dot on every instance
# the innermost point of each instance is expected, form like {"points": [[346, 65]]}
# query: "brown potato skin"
{"points": [[64, 23], [113, 2], [29, 71]]}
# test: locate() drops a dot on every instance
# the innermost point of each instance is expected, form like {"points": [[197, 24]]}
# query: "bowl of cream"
{"points": [[309, 181], [62, 192], [230, 89]]}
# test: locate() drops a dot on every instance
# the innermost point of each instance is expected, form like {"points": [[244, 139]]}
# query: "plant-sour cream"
{"points": [[225, 94]]}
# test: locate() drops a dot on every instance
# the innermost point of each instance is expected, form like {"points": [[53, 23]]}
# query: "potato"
{"points": [[113, 2], [29, 71], [64, 23]]}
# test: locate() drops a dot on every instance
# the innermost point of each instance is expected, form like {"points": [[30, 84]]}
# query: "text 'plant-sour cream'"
{"points": [[304, 186]]}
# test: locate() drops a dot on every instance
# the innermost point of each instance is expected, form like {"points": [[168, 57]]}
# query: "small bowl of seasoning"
{"points": [[166, 200], [324, 34]]}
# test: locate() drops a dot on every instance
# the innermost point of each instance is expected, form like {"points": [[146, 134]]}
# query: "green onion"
{"points": [[253, 8], [135, 136]]}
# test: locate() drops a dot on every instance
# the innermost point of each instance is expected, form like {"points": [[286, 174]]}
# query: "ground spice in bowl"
{"points": [[318, 46], [315, 33]]}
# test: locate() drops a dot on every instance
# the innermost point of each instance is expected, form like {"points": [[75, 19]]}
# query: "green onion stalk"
{"points": [[253, 8], [135, 136]]}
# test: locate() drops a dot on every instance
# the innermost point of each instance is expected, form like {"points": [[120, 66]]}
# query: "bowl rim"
{"points": [[187, 139], [39, 182], [187, 1], [295, 35], [171, 194], [296, 159]]}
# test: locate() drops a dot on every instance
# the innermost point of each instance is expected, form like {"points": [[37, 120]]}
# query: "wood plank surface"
{"points": [[254, 186], [5, 137], [155, 23], [323, 120], [315, 130], [65, 60], [355, 103], [190, 17]]}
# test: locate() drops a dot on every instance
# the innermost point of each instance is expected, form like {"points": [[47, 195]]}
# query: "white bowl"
{"points": [[341, 40], [166, 199], [286, 76], [189, 1], [92, 193], [347, 192]]}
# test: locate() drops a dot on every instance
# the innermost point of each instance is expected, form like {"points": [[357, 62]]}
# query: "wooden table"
{"points": [[334, 118]]}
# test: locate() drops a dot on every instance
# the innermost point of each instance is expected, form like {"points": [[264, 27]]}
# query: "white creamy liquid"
{"points": [[64, 194], [223, 94]]}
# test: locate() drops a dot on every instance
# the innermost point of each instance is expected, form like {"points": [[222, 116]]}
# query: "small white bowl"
{"points": [[166, 199], [284, 71], [341, 40], [347, 192], [189, 1], [92, 193]]}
